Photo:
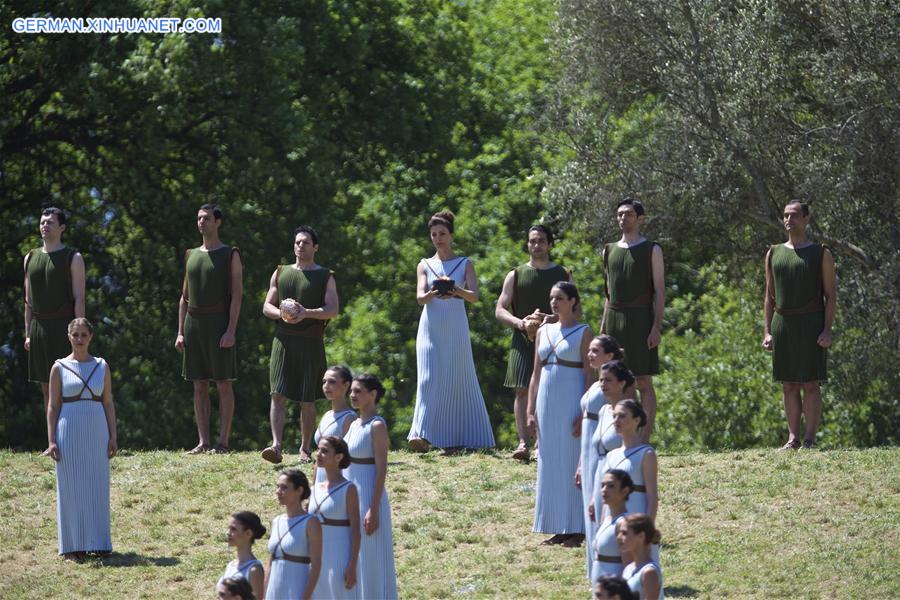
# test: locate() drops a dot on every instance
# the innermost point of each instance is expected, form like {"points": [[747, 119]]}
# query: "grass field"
{"points": [[751, 524]]}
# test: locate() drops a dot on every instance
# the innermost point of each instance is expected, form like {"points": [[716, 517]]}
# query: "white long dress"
{"points": [[82, 473], [450, 410]]}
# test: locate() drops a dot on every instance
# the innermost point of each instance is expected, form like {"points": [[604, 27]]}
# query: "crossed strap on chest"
{"points": [[334, 420], [816, 303], [284, 555], [326, 520], [608, 558], [625, 456], [85, 385], [560, 361], [218, 307], [462, 259], [364, 461], [66, 310], [645, 299]]}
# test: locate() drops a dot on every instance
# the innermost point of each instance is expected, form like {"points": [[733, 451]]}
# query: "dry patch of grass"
{"points": [[752, 524]]}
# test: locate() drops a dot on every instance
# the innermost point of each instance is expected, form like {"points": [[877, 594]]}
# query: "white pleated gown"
{"points": [[605, 440], [331, 424], [82, 474], [591, 402], [377, 574], [450, 410], [287, 578], [558, 506], [604, 545], [331, 508]]}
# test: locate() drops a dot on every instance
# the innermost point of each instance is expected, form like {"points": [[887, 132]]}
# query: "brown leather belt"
{"points": [[608, 559], [336, 522], [564, 363], [77, 398], [591, 416], [295, 559], [362, 461], [814, 305], [207, 310], [640, 488], [65, 312], [312, 332]]}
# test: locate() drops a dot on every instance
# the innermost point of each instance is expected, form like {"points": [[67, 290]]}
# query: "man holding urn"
{"points": [[302, 297]]}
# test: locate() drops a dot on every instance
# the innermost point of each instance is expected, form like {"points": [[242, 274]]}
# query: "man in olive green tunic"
{"points": [[301, 298], [526, 289], [54, 295], [799, 312], [635, 299], [208, 314]]}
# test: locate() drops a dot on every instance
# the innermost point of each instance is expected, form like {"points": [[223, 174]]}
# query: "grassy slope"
{"points": [[752, 524]]}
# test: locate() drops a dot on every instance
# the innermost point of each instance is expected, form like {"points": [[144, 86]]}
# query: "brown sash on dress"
{"points": [[84, 381], [284, 555], [326, 520], [559, 361], [362, 461]]}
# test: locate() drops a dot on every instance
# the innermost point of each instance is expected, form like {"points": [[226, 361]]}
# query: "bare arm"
{"points": [[504, 302], [314, 542], [768, 303], [257, 581], [470, 292], [380, 448], [270, 308], [649, 469], [533, 385], [237, 292], [650, 583], [590, 375], [182, 313], [830, 290], [266, 578], [353, 513], [53, 412], [27, 287], [659, 297], [424, 293], [109, 408], [78, 283], [330, 309]]}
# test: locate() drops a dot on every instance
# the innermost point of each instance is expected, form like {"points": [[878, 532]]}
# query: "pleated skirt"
{"points": [[630, 327], [589, 459], [287, 580], [558, 506], [796, 357], [521, 361], [296, 367], [377, 573], [450, 410], [203, 359], [82, 478], [49, 342]]}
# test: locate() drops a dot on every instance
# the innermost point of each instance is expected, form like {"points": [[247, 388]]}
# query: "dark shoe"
{"points": [[305, 458], [573, 541], [419, 445], [273, 455], [453, 450], [220, 449], [790, 445], [522, 452], [809, 444], [198, 449], [559, 538]]}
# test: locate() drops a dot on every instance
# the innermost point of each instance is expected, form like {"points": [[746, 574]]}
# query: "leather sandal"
{"points": [[522, 452], [220, 449], [198, 449], [419, 445], [791, 445], [273, 455]]}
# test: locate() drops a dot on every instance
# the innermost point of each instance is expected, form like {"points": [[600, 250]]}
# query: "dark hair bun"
{"points": [[250, 520]]}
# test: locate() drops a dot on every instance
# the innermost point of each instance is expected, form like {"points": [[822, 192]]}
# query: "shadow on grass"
{"points": [[681, 591], [133, 559]]}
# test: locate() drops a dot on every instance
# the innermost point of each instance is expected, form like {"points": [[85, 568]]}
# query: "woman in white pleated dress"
{"points": [[81, 436], [295, 544], [336, 503], [244, 528], [335, 387], [636, 535], [560, 378], [602, 349], [367, 442], [450, 411]]}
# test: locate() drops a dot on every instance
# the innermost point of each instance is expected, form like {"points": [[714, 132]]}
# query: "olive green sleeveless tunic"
{"points": [[298, 359], [799, 314], [531, 290], [52, 307], [209, 294], [629, 318]]}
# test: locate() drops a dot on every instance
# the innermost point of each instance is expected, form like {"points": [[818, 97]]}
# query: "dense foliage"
{"points": [[362, 118]]}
